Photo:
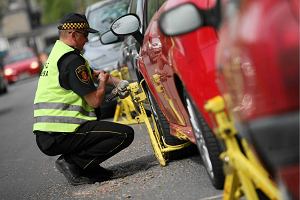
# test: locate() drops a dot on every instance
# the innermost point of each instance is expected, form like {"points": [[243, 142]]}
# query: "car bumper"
{"points": [[276, 139], [22, 75]]}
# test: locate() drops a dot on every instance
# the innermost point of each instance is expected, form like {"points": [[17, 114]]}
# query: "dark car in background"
{"points": [[21, 63], [3, 82]]}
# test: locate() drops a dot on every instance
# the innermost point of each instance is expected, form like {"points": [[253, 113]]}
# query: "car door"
{"points": [[157, 71]]}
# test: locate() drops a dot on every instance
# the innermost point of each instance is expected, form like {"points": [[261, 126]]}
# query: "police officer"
{"points": [[65, 122]]}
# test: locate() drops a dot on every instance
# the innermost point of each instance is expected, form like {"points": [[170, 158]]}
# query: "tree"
{"points": [[53, 10], [3, 7]]}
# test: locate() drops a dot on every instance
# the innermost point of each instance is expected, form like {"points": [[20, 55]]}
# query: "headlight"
{"points": [[34, 65], [8, 72]]}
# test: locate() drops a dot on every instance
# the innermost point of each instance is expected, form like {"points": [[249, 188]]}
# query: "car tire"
{"points": [[162, 122], [207, 143], [4, 89]]}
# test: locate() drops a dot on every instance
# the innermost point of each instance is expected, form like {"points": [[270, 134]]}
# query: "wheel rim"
{"points": [[199, 139]]}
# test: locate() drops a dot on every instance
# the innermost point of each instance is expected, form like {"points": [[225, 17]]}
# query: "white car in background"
{"points": [[104, 57], [100, 15]]}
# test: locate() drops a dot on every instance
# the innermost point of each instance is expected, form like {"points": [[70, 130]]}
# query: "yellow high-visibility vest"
{"points": [[55, 108]]}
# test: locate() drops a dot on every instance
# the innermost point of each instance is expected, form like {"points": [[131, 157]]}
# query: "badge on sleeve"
{"points": [[82, 74]]}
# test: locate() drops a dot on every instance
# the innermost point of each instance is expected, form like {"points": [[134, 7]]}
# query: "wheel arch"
{"points": [[180, 88]]}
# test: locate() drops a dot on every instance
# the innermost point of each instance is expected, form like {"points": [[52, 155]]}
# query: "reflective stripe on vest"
{"points": [[63, 106], [59, 119]]}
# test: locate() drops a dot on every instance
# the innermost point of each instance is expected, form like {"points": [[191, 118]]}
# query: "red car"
{"points": [[258, 59], [20, 64], [177, 73], [258, 74]]}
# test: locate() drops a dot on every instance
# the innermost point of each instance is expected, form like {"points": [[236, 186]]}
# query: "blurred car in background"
{"points": [[100, 15], [165, 63], [258, 60], [45, 53], [104, 57], [21, 63]]}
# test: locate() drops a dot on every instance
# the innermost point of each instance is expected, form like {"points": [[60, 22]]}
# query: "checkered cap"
{"points": [[75, 21]]}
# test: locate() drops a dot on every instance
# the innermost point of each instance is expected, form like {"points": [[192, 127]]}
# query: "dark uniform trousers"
{"points": [[91, 144]]}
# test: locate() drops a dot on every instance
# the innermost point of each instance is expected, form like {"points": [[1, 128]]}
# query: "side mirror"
{"points": [[187, 17], [179, 20], [128, 24], [109, 38]]}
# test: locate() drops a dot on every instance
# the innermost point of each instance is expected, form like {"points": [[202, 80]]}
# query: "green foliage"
{"points": [[53, 10], [3, 7]]}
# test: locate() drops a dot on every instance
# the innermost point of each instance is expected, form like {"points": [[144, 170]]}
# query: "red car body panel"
{"points": [[260, 51], [190, 59], [154, 63], [258, 60], [195, 65]]}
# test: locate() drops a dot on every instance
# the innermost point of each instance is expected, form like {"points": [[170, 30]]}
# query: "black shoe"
{"points": [[98, 173], [71, 172]]}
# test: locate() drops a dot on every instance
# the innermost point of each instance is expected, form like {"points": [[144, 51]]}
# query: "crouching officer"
{"points": [[65, 122]]}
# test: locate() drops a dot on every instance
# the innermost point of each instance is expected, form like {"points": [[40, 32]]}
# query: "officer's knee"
{"points": [[129, 135]]}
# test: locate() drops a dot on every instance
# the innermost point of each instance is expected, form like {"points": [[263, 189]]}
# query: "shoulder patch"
{"points": [[82, 74]]}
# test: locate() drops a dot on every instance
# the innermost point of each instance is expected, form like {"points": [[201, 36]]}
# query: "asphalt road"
{"points": [[26, 173]]}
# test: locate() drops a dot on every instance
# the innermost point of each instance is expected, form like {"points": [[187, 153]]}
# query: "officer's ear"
{"points": [[72, 33], [66, 34]]}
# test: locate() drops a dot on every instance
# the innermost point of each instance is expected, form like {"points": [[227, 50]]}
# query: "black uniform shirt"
{"points": [[73, 74]]}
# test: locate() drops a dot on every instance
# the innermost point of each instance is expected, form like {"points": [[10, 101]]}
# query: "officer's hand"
{"points": [[103, 76], [96, 73]]}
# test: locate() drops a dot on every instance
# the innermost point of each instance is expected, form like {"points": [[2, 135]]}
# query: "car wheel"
{"points": [[4, 89], [162, 122], [208, 145]]}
